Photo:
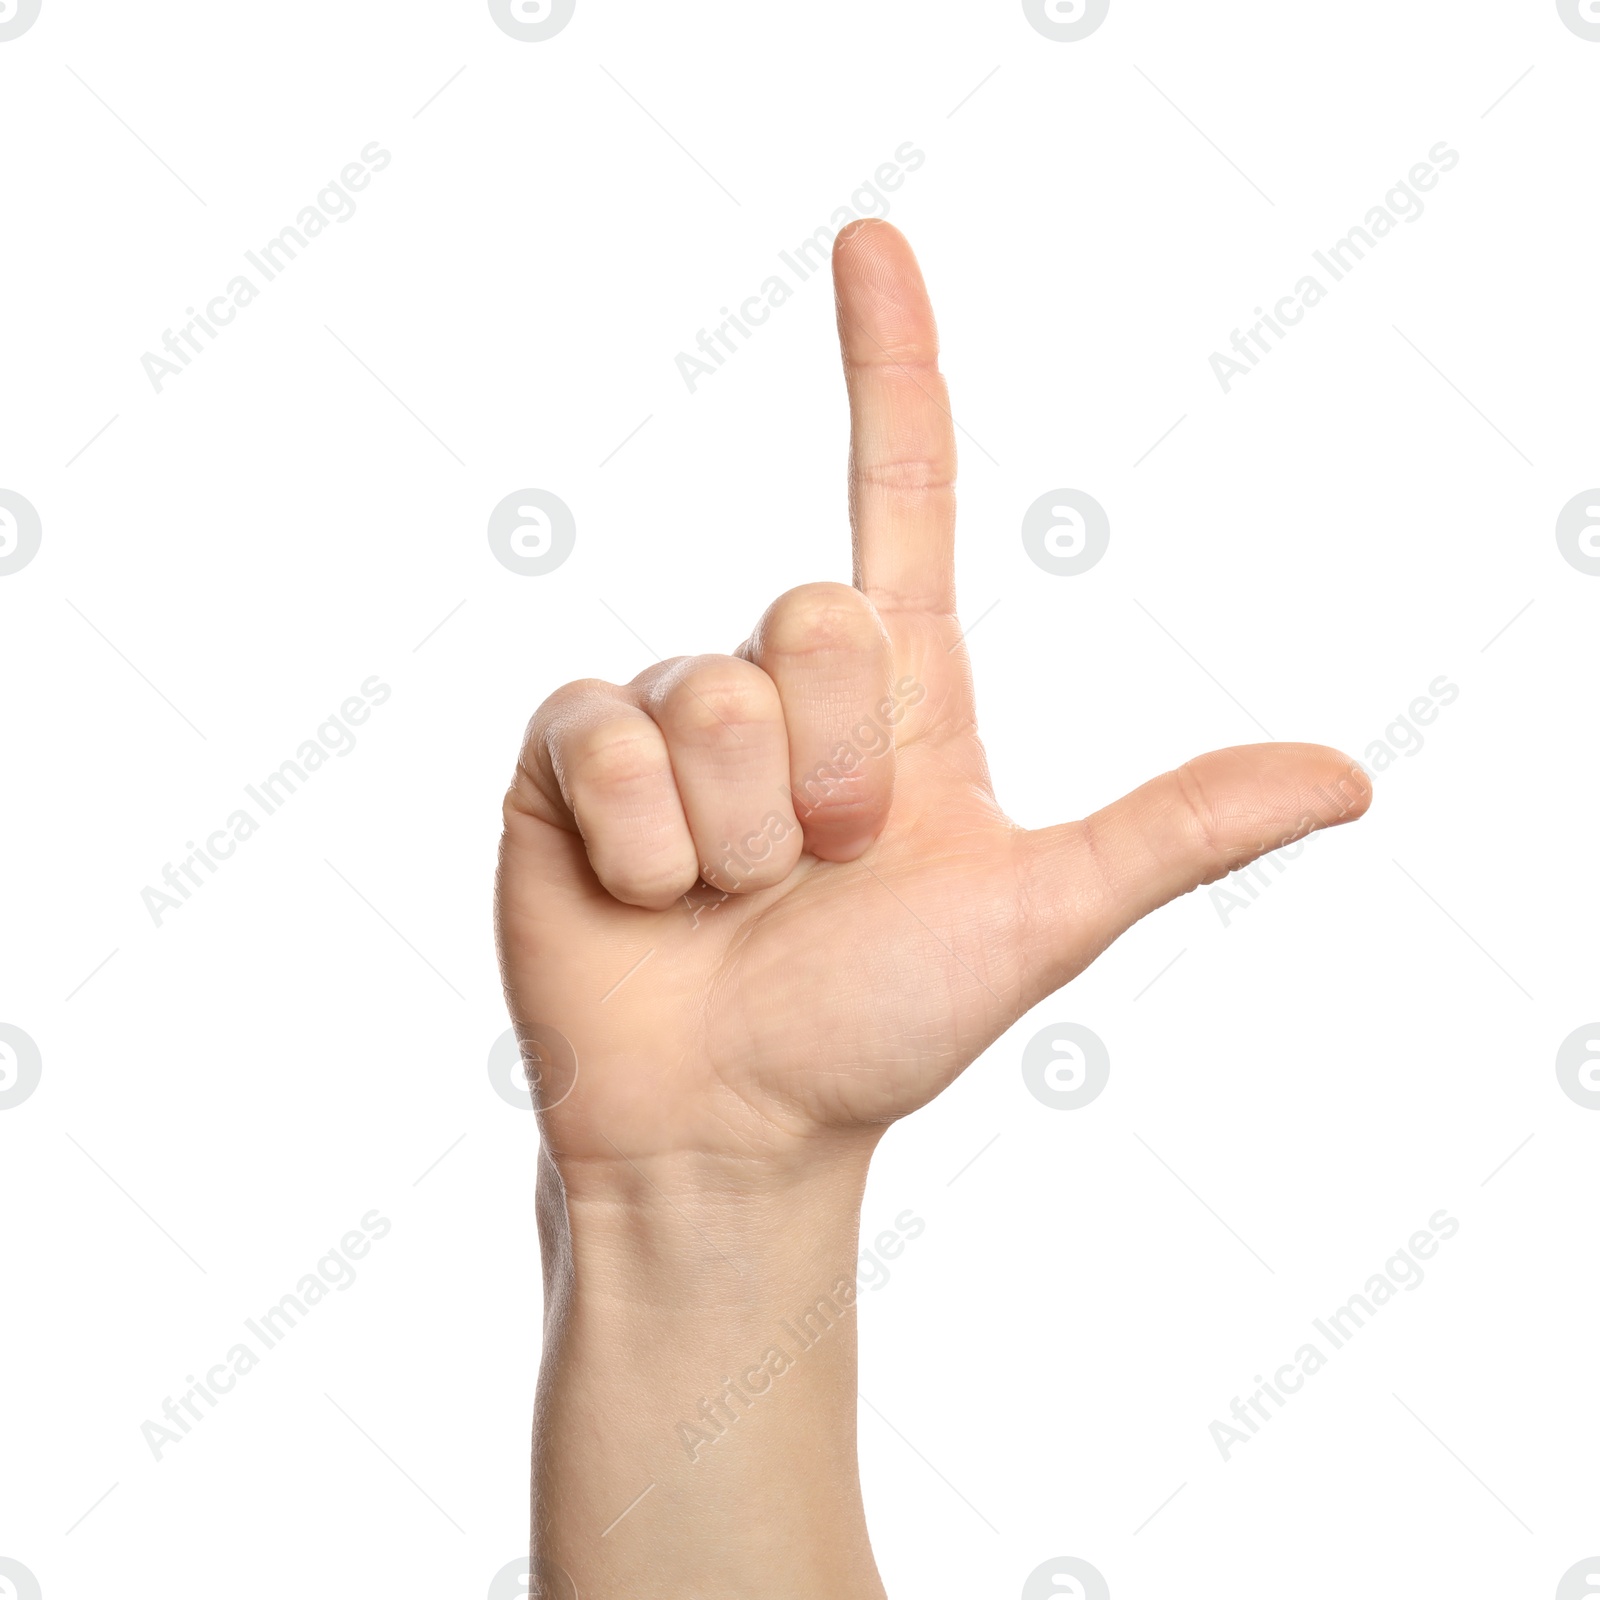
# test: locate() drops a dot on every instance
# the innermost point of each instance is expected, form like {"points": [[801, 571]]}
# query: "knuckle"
{"points": [[1099, 859], [918, 475], [653, 880], [819, 617], [562, 710], [612, 755], [560, 704], [1202, 814], [648, 683], [717, 696]]}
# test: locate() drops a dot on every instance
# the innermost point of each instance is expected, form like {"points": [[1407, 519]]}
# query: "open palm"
{"points": [[746, 901]]}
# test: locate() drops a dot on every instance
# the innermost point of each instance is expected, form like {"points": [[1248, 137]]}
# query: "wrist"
{"points": [[700, 1323], [669, 1234]]}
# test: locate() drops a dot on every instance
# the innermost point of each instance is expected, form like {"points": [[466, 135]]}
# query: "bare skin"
{"points": [[771, 904]]}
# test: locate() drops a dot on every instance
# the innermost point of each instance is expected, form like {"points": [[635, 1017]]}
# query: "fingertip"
{"points": [[650, 896], [882, 301], [1343, 787], [1365, 790], [848, 234], [827, 847], [871, 253], [1322, 785], [743, 867], [839, 855]]}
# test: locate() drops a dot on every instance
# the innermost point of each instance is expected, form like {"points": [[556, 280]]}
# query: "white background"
{"points": [[1292, 1097]]}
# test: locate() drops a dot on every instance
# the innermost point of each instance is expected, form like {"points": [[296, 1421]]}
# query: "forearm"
{"points": [[695, 1432]]}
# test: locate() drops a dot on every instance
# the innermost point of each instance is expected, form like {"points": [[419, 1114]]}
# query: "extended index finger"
{"points": [[902, 439]]}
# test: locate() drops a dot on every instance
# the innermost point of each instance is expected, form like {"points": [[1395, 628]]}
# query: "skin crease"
{"points": [[736, 1065]]}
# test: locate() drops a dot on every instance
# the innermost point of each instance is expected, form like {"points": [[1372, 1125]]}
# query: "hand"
{"points": [[769, 902], [867, 919]]}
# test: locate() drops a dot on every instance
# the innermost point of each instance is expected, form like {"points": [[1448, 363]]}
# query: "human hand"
{"points": [[868, 920]]}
